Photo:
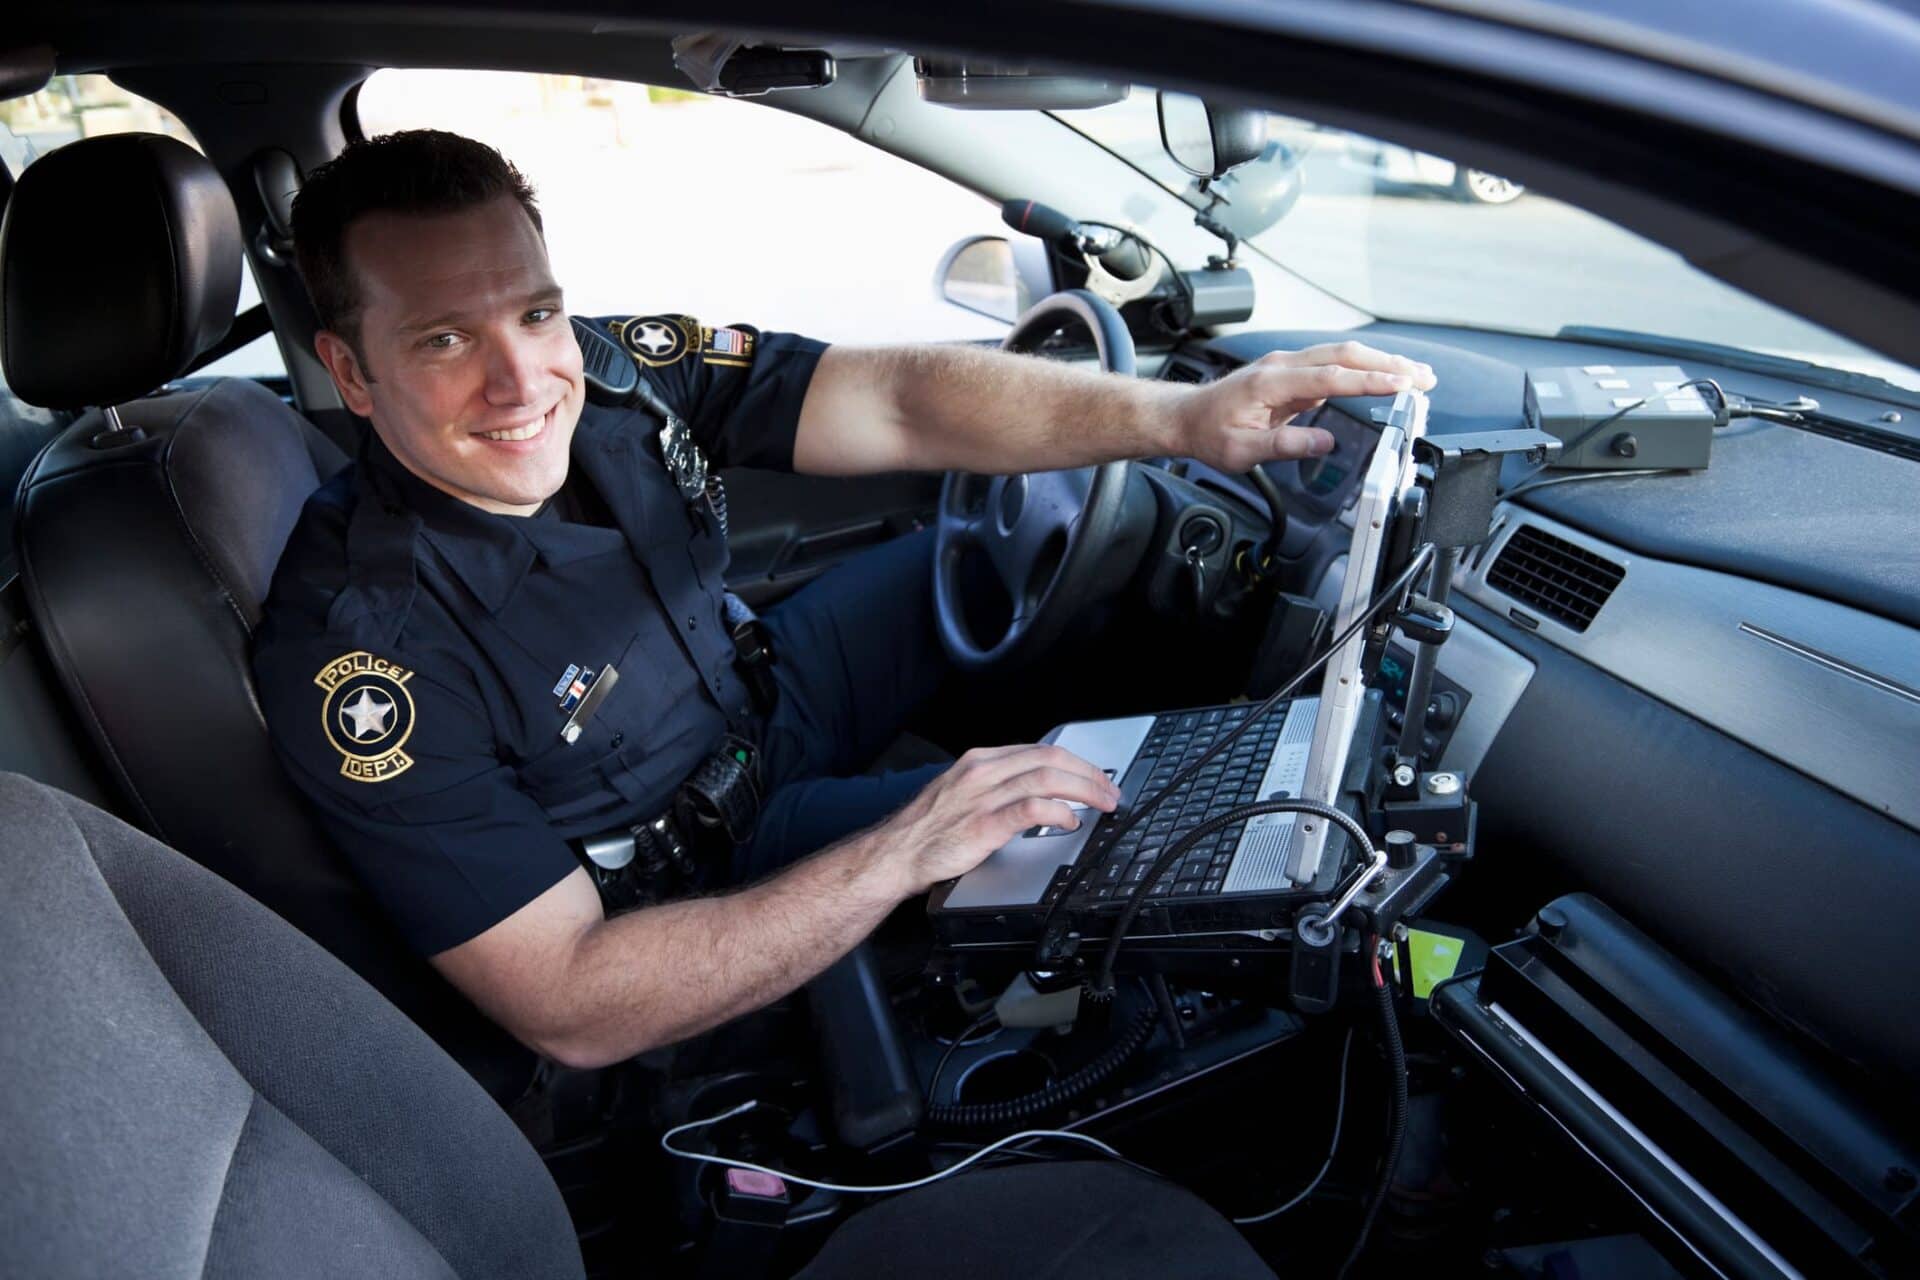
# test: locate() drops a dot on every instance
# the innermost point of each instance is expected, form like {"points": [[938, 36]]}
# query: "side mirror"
{"points": [[984, 274], [1207, 140]]}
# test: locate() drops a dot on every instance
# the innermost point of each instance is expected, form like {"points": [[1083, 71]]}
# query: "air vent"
{"points": [[1565, 582], [1177, 370]]}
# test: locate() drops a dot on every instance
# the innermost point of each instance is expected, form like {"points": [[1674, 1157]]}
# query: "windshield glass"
{"points": [[1411, 236]]}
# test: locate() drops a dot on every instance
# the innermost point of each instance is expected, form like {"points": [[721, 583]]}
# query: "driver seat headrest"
{"points": [[119, 265]]}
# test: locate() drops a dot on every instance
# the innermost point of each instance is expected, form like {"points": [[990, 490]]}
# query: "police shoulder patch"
{"points": [[367, 715], [658, 341]]}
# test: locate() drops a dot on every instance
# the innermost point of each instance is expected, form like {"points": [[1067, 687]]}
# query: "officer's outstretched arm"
{"points": [[870, 409], [588, 991]]}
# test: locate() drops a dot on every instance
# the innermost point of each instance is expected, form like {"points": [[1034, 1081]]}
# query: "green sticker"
{"points": [[1435, 956]]}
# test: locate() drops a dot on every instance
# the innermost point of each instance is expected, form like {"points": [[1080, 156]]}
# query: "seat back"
{"points": [[147, 537], [195, 1089]]}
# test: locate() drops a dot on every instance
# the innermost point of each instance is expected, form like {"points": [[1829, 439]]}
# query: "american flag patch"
{"points": [[727, 342]]}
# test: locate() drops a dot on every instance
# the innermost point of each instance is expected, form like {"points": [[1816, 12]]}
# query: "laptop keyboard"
{"points": [[1234, 778]]}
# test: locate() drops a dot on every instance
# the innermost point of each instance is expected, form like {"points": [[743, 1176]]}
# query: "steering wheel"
{"points": [[1044, 533]]}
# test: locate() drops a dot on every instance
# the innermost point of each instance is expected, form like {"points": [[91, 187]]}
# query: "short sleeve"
{"points": [[403, 774], [740, 389]]}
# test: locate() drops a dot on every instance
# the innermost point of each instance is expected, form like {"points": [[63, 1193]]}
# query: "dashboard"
{"points": [[1730, 595], [1695, 695]]}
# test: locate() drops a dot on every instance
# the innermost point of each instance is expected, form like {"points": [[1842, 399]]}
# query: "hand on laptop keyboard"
{"points": [[989, 796]]}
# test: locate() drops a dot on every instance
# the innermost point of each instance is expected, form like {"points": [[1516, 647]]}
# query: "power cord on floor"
{"points": [[1333, 1147], [1025, 1135]]}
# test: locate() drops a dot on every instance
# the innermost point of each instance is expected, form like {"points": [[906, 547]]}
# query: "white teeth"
{"points": [[527, 432]]}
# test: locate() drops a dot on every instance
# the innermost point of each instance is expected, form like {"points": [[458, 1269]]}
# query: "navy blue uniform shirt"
{"points": [[417, 650]]}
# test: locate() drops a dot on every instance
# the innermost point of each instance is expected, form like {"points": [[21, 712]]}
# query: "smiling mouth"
{"points": [[527, 432]]}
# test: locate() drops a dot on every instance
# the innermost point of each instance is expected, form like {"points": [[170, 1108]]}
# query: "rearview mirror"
{"points": [[980, 274], [1207, 140]]}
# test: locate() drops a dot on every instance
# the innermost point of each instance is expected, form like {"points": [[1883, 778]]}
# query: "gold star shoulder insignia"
{"points": [[367, 715]]}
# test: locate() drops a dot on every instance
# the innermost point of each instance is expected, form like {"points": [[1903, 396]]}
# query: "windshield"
{"points": [[1409, 236]]}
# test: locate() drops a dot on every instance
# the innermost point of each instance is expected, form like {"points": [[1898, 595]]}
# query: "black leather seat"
{"points": [[195, 1089], [146, 550]]}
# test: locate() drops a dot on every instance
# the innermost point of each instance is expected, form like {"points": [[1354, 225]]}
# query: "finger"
{"points": [[974, 756], [1358, 355], [1287, 444], [1243, 449], [1289, 389], [1059, 784], [981, 768], [1033, 811], [997, 771]]}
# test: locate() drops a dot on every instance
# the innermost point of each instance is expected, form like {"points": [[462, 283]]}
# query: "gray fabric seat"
{"points": [[196, 1089]]}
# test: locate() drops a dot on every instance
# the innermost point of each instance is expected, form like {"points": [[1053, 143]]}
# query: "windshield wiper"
{"points": [[1865, 384]]}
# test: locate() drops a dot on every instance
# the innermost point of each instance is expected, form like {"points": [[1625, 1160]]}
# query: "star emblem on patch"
{"points": [[653, 338], [656, 341], [367, 714]]}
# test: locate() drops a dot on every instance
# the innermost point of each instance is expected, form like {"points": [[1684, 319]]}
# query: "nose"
{"points": [[515, 371]]}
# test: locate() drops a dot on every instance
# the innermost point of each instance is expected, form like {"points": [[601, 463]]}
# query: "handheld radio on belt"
{"points": [[718, 805]]}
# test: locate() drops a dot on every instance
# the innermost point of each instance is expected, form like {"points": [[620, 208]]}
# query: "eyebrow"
{"points": [[551, 293]]}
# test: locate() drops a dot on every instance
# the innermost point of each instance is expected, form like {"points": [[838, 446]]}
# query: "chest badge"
{"points": [[581, 692], [367, 715], [685, 463]]}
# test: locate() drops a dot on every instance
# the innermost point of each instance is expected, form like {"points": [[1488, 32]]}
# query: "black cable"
{"points": [[1333, 1148], [1137, 898], [984, 1115], [965, 1037], [1052, 927], [1396, 1110], [1548, 482], [1276, 511]]}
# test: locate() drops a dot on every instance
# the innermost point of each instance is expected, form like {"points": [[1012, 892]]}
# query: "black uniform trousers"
{"points": [[855, 653]]}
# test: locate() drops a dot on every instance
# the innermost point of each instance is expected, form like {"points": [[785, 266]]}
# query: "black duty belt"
{"points": [[688, 847]]}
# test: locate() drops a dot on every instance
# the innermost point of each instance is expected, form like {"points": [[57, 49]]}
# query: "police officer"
{"points": [[502, 633]]}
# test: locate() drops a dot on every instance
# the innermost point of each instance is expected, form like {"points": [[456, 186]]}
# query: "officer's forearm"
{"points": [[926, 408], [659, 975]]}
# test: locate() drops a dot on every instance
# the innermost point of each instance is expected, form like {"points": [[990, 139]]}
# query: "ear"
{"points": [[337, 354]]}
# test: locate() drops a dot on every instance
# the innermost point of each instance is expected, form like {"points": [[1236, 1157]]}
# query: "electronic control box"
{"points": [[1623, 418]]}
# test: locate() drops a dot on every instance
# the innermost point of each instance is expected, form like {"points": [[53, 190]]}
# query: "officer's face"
{"points": [[467, 366]]}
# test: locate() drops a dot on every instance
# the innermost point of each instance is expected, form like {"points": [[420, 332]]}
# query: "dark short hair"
{"points": [[424, 171]]}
